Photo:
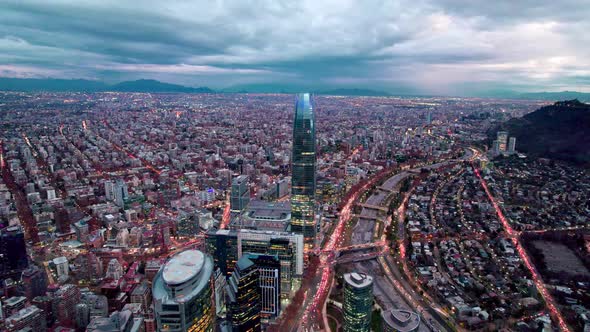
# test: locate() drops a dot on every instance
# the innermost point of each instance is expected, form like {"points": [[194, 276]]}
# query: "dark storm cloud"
{"points": [[424, 44]]}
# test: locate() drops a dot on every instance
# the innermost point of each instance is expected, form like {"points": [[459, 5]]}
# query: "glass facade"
{"points": [[303, 167], [358, 302], [244, 295]]}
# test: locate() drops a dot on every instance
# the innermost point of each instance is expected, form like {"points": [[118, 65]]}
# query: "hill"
{"points": [[558, 131]]}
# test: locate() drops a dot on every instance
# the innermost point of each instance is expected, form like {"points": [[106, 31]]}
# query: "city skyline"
{"points": [[445, 47]]}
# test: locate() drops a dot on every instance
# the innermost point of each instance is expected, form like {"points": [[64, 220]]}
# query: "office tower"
{"points": [[62, 220], [120, 192], [243, 294], [358, 302], [502, 137], [428, 117], [303, 166], [66, 298], [222, 245], [269, 281], [182, 293], [512, 145], [287, 246], [13, 252], [30, 317], [240, 194]]}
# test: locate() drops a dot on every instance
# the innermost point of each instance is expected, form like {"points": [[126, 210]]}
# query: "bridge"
{"points": [[359, 258], [373, 207]]}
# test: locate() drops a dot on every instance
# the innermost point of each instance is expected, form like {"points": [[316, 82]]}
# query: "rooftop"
{"points": [[183, 267], [401, 320], [358, 280]]}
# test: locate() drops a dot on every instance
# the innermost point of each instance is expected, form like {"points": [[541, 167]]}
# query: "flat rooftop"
{"points": [[401, 320], [358, 280]]}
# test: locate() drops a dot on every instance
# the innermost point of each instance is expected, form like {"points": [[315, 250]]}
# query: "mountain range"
{"points": [[154, 86], [558, 131]]}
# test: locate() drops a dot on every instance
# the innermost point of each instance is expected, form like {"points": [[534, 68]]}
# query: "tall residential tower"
{"points": [[303, 181]]}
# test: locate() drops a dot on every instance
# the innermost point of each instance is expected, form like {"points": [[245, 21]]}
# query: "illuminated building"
{"points": [[263, 215], [400, 320], [358, 302], [303, 167], [182, 293], [502, 137], [240, 194], [287, 246], [222, 245], [243, 294], [269, 281]]}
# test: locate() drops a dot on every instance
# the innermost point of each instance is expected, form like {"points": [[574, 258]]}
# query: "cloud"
{"points": [[434, 46]]}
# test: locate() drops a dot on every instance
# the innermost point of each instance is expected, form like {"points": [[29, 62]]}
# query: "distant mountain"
{"points": [[354, 92], [559, 131], [155, 86], [61, 85], [50, 84], [563, 95], [288, 88]]}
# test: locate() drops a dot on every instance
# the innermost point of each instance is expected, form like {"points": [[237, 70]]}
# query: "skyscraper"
{"points": [[303, 180], [358, 302], [240, 194], [183, 295], [13, 252], [269, 281], [243, 294]]}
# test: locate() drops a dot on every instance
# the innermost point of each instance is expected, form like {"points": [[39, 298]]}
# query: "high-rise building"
{"points": [[269, 281], [66, 298], [303, 167], [502, 137], [222, 245], [260, 242], [358, 302], [512, 145], [243, 294], [240, 194], [182, 293], [13, 252], [120, 192]]}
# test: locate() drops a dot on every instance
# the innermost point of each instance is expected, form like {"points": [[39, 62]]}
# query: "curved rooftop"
{"points": [[183, 267], [401, 320]]}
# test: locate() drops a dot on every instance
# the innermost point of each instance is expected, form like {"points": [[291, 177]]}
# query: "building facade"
{"points": [[182, 293], [244, 301], [240, 194], [303, 167], [358, 302]]}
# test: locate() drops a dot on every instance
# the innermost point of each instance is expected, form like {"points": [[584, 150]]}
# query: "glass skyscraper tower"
{"points": [[303, 180]]}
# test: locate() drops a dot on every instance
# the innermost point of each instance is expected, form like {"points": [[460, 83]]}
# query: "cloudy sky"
{"points": [[427, 46]]}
